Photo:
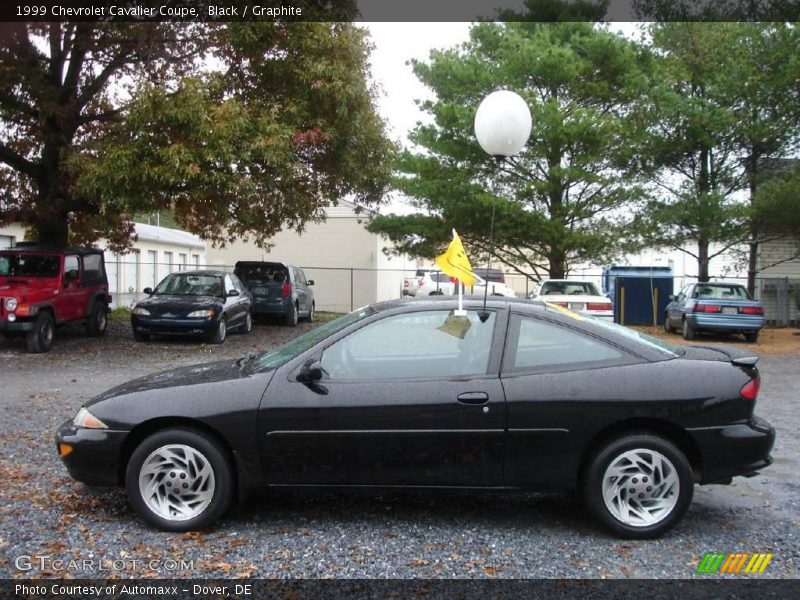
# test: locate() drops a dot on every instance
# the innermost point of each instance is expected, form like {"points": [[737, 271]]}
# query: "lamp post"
{"points": [[502, 125]]}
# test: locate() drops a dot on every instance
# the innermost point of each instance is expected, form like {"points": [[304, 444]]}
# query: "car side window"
{"points": [[93, 269], [413, 346], [684, 293], [301, 277], [72, 269], [538, 344], [228, 284]]}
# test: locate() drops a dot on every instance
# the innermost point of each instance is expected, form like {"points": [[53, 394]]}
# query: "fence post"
{"points": [[352, 306]]}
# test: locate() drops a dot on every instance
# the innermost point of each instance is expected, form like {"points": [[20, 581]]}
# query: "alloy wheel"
{"points": [[640, 487], [176, 482]]}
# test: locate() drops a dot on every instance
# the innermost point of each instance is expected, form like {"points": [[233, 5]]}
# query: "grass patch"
{"points": [[120, 314], [324, 317]]}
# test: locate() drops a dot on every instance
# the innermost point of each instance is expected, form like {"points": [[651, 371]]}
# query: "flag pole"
{"points": [[460, 312]]}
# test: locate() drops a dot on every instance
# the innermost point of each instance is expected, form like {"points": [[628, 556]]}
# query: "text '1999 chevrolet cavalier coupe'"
{"points": [[520, 395]]}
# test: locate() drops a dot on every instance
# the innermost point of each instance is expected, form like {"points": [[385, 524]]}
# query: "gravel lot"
{"points": [[341, 535]]}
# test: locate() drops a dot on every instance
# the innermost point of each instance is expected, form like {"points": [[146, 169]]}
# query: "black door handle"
{"points": [[473, 398]]}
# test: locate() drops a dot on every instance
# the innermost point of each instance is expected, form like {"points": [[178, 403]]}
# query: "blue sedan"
{"points": [[714, 307]]}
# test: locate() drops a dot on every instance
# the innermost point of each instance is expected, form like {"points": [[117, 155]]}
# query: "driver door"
{"points": [[410, 399]]}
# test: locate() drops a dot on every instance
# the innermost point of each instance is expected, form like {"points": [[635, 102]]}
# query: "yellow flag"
{"points": [[455, 262]]}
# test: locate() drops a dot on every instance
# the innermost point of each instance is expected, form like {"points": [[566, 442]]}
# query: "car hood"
{"points": [[224, 370], [180, 304], [27, 289]]}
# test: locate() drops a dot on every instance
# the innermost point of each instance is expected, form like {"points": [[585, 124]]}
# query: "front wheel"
{"points": [[311, 313], [667, 326], [179, 480], [40, 338], [220, 332], [639, 485]]}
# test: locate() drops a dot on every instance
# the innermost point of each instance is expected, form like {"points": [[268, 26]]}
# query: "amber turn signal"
{"points": [[64, 449]]}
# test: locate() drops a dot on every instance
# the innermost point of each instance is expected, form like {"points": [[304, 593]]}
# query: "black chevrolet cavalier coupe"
{"points": [[521, 395]]}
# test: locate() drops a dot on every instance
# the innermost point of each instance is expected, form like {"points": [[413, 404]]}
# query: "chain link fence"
{"points": [[345, 289]]}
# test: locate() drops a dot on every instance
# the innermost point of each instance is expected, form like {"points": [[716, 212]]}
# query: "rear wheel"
{"points": [[219, 333], [688, 330], [179, 480], [751, 336], [97, 323], [639, 485], [247, 326], [292, 316], [40, 338]]}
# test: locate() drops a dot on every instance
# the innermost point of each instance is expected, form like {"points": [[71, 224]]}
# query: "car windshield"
{"points": [[281, 354], [722, 292], [261, 273], [585, 288], [189, 284], [29, 265]]}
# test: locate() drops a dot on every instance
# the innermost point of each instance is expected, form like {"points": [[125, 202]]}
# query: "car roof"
{"points": [[247, 263], [207, 272], [43, 249]]}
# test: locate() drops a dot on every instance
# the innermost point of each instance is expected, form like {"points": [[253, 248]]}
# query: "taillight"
{"points": [[708, 308], [405, 283], [286, 290], [750, 389], [751, 310], [563, 304], [598, 306], [420, 282]]}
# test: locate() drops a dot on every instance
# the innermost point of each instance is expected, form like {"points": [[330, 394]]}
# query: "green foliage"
{"points": [[725, 96], [563, 198], [777, 205], [240, 129]]}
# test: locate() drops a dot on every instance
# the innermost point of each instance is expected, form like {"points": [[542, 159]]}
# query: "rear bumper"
{"points": [[740, 449], [95, 455], [720, 322], [272, 306]]}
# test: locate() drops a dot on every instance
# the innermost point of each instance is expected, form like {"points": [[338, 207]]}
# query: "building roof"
{"points": [[165, 235]]}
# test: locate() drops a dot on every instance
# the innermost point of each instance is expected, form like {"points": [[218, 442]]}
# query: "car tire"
{"points": [[667, 326], [659, 475], [688, 330], [179, 480], [220, 332], [141, 337], [751, 336], [292, 316], [97, 323], [247, 326], [311, 313], [40, 338]]}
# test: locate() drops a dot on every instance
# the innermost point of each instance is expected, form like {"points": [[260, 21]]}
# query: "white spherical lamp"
{"points": [[503, 123]]}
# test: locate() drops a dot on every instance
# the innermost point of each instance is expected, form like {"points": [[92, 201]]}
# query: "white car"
{"points": [[580, 296], [437, 283]]}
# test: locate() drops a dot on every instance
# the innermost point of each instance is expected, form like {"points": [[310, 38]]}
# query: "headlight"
{"points": [[11, 304], [86, 419], [143, 312], [202, 313]]}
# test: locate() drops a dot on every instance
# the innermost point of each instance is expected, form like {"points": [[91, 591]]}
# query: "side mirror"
{"points": [[71, 276], [233, 293], [310, 372], [310, 282], [673, 297], [148, 291]]}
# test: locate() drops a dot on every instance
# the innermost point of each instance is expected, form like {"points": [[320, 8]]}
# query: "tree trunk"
{"points": [[53, 231], [752, 259], [702, 259], [558, 264]]}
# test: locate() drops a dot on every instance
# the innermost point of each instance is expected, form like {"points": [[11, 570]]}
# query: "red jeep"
{"points": [[41, 288]]}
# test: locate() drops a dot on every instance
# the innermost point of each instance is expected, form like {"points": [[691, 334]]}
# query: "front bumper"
{"points": [[18, 326], [173, 326], [739, 449], [721, 322], [95, 456]]}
